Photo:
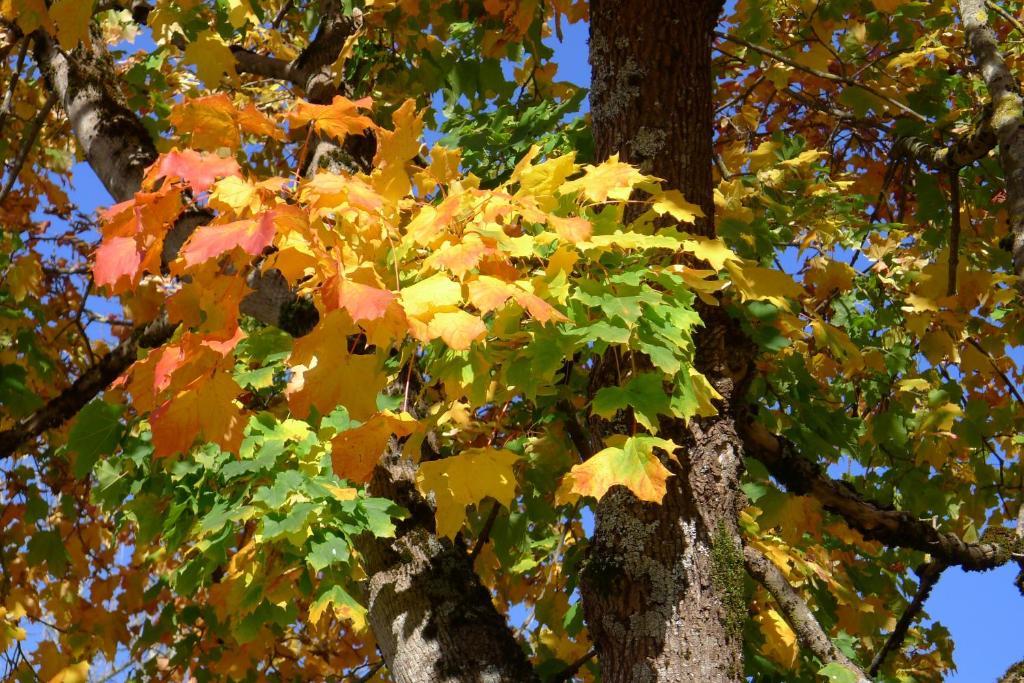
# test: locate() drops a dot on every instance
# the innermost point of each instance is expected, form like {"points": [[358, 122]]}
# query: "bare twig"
{"points": [[1010, 19], [821, 74], [896, 528], [568, 672], [929, 574], [954, 229], [26, 145], [5, 108], [485, 533]]}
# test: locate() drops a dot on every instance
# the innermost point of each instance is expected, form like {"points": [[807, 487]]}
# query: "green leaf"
{"points": [[331, 550], [837, 673], [97, 432], [645, 394]]}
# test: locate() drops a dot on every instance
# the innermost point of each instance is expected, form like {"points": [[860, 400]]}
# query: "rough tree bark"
{"points": [[662, 587]]}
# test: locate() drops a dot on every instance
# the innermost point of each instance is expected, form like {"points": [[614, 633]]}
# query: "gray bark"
{"points": [[1007, 115]]}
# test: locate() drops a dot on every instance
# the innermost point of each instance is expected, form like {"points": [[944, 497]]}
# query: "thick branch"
{"points": [[94, 380], [963, 152], [1007, 115], [114, 141], [892, 527], [929, 574], [796, 612]]}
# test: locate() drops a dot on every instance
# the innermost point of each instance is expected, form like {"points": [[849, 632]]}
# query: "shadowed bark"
{"points": [[662, 586]]}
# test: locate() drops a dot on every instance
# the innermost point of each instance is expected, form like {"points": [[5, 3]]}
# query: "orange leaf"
{"points": [[362, 302], [338, 119], [205, 409], [210, 241], [197, 169], [355, 452], [458, 328]]}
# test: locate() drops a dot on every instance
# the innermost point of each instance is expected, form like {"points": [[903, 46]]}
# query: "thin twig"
{"points": [[992, 361], [568, 672], [954, 229], [5, 108], [929, 574], [1005, 15], [285, 8], [485, 533], [797, 614], [821, 74], [26, 145]]}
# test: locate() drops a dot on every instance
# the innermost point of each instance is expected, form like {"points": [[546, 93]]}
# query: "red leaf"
{"points": [[211, 241], [116, 258], [196, 169]]}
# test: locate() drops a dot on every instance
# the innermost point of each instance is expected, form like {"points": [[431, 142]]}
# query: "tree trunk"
{"points": [[662, 586], [433, 619]]}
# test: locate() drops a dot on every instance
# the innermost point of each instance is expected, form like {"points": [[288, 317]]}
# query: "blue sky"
{"points": [[980, 609]]}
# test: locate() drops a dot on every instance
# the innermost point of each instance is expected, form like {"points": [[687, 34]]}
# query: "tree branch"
{"points": [[94, 380], [26, 146], [1007, 114], [5, 108], [796, 612], [929, 574], [821, 74], [892, 527]]}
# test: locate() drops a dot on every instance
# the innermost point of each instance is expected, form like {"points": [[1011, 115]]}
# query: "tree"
{"points": [[681, 388]]}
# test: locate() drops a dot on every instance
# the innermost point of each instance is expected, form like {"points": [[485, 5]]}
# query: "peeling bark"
{"points": [[662, 585]]}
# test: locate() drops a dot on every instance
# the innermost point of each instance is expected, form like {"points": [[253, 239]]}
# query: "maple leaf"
{"points": [[458, 329], [611, 179], [673, 203], [117, 263], [210, 241], [212, 58], [327, 375], [466, 479], [205, 409], [338, 119], [632, 464], [355, 452], [362, 302], [195, 168], [72, 18]]}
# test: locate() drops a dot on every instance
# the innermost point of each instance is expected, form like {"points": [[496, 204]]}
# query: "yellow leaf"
{"points": [[76, 673], [542, 181], [466, 479], [610, 179], [234, 194], [436, 293], [458, 328], [673, 203], [239, 12], [27, 14], [713, 251], [211, 57], [757, 283], [72, 18], [780, 640], [633, 465], [355, 452]]}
